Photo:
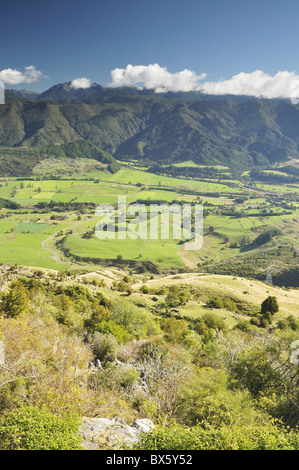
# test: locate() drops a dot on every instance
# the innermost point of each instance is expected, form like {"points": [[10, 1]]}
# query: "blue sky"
{"points": [[68, 39]]}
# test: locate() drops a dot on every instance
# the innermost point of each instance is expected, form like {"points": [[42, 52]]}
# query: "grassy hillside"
{"points": [[250, 292], [187, 352]]}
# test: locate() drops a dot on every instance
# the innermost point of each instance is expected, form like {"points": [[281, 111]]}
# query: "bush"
{"points": [[253, 372], [118, 331], [104, 347], [215, 302], [29, 428], [144, 289], [254, 437], [255, 321], [129, 377], [208, 398], [213, 321], [137, 321], [99, 314], [246, 326], [227, 304], [293, 322]]}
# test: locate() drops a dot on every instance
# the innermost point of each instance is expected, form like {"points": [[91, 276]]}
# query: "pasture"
{"points": [[23, 231]]}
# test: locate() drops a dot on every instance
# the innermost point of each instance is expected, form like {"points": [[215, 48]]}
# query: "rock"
{"points": [[98, 364], [143, 425], [104, 433]]}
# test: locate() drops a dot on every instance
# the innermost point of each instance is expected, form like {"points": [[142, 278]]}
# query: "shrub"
{"points": [[254, 372], [144, 289], [129, 377], [203, 330], [122, 286], [213, 321], [266, 236], [254, 437], [30, 428], [215, 302], [160, 291], [230, 305], [118, 331], [246, 326], [208, 398], [255, 321], [293, 322], [227, 303], [282, 324], [104, 347]]}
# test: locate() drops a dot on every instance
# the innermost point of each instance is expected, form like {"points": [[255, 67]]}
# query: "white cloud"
{"points": [[155, 77], [258, 83], [80, 83], [15, 77]]}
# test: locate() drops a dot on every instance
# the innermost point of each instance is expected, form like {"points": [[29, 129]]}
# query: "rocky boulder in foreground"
{"points": [[103, 433]]}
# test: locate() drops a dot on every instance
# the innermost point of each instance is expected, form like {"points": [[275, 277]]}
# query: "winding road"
{"points": [[54, 255]]}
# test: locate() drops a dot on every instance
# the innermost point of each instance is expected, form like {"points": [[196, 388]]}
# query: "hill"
{"points": [[137, 124], [21, 161], [65, 92], [213, 373], [24, 94], [246, 291]]}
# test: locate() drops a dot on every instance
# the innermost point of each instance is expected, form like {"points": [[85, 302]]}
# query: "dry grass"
{"points": [[245, 290]]}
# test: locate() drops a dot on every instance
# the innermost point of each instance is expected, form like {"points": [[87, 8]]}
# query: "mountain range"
{"points": [[129, 123]]}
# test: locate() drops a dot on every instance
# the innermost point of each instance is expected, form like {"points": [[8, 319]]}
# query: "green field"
{"points": [[234, 211]]}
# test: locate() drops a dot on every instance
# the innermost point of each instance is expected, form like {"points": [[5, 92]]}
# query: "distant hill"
{"points": [[20, 161], [129, 123], [25, 94], [98, 94], [65, 92]]}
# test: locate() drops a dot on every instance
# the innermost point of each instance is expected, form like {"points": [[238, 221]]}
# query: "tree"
{"points": [[16, 301], [184, 297], [255, 371], [269, 305], [172, 299], [99, 314], [175, 330]]}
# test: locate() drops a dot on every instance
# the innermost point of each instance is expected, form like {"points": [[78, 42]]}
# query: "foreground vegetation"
{"points": [[210, 368]]}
